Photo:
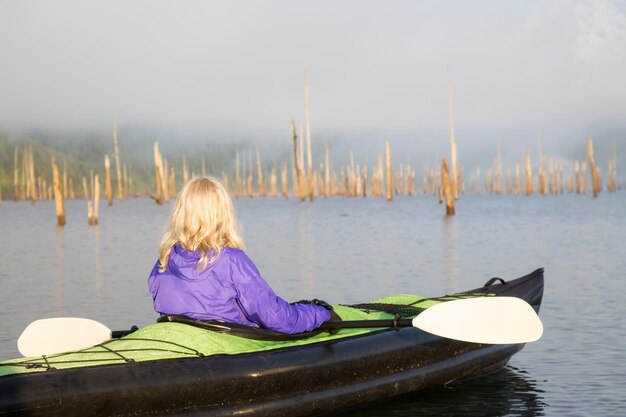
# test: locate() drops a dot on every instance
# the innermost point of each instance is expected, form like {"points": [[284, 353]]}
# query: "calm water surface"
{"points": [[355, 250]]}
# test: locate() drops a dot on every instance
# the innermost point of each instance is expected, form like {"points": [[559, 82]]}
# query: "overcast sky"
{"points": [[378, 69]]}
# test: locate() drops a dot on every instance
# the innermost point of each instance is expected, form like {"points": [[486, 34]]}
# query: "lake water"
{"points": [[354, 250]]}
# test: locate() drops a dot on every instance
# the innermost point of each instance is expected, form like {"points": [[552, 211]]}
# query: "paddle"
{"points": [[64, 334], [489, 320]]}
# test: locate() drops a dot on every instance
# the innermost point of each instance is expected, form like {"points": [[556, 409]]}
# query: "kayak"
{"points": [[177, 367]]}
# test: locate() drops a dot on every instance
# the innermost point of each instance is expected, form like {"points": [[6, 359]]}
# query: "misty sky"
{"points": [[377, 69]]}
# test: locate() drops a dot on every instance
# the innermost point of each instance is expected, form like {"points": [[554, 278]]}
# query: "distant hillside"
{"points": [[83, 152]]}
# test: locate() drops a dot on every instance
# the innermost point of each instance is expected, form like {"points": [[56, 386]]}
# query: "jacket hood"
{"points": [[183, 262]]}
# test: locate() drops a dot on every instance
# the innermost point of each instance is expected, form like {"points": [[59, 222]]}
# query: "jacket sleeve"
{"points": [[262, 306]]}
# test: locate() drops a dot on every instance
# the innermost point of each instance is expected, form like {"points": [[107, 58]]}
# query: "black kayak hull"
{"points": [[295, 381]]}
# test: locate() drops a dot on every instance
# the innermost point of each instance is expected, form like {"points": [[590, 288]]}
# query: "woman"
{"points": [[203, 272]]}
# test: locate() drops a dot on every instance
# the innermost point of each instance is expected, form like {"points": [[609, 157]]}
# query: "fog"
{"points": [[518, 71]]}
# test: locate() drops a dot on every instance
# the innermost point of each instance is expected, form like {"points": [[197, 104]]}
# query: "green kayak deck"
{"points": [[161, 341]]}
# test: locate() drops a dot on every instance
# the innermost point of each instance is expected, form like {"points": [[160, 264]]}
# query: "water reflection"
{"points": [[59, 255], [306, 253], [450, 251], [389, 239], [97, 278], [508, 392]]}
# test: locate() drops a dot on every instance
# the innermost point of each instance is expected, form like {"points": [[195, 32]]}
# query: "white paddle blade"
{"points": [[489, 320], [61, 334]]}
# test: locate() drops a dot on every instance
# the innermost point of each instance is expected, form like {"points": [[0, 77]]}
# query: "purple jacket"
{"points": [[229, 289]]}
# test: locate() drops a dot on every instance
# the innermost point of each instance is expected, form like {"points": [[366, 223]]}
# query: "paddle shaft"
{"points": [[329, 325], [364, 324]]}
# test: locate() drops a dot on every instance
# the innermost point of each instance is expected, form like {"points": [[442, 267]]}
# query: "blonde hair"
{"points": [[203, 220]]}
